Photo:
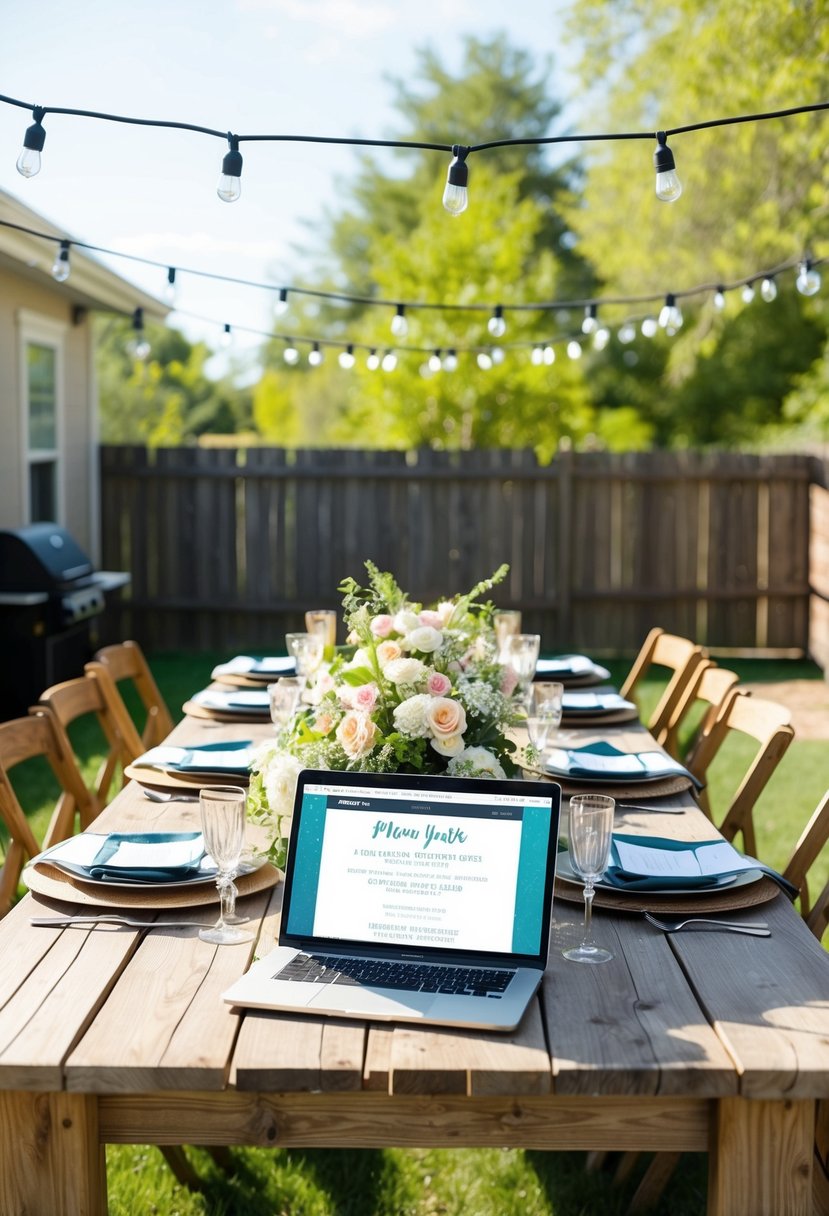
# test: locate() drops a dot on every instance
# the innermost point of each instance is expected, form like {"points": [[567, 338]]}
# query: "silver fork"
{"points": [[158, 796], [757, 928], [58, 922]]}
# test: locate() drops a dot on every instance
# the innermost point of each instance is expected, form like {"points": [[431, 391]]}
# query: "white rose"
{"points": [[448, 745], [475, 761], [405, 622], [279, 780], [405, 671], [425, 639], [410, 716], [360, 658]]}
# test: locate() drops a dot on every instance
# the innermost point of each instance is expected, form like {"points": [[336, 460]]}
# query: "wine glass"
{"points": [[324, 622], [590, 837], [547, 701], [506, 622], [223, 814], [284, 696], [538, 728], [520, 652], [306, 650]]}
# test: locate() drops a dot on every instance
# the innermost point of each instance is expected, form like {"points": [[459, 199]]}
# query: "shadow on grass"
{"points": [[573, 1191]]}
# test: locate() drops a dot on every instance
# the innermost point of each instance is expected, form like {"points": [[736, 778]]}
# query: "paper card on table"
{"points": [[231, 757], [679, 859], [587, 702], [594, 762], [252, 699], [169, 851]]}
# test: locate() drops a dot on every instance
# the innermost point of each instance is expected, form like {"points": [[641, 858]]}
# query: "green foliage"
{"points": [[167, 399]]}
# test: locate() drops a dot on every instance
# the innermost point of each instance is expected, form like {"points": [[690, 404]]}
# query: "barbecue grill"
{"points": [[52, 601]]}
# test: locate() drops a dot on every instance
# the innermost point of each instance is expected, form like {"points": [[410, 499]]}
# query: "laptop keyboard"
{"points": [[382, 973]]}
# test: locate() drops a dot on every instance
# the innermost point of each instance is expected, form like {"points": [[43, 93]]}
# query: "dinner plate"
{"points": [[48, 881], [564, 869], [261, 670], [206, 873], [160, 770]]}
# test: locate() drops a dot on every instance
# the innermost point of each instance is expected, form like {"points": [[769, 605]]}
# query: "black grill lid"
{"points": [[41, 557]]}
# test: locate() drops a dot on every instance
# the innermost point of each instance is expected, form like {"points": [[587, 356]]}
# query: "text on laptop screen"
{"points": [[463, 871]]}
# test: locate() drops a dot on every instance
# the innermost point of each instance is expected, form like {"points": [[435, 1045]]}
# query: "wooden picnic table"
{"points": [[694, 1042]]}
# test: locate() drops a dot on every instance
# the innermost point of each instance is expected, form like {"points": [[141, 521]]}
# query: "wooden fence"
{"points": [[228, 547]]}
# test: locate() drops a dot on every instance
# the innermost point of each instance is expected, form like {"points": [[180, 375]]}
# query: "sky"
{"points": [[312, 67]]}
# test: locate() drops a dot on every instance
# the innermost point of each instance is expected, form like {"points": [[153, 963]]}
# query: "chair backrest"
{"points": [[126, 661], [95, 695], [769, 724], [24, 739], [682, 656], [709, 685], [812, 841]]}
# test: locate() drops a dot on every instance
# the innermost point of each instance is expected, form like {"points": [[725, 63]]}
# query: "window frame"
{"points": [[37, 330]]}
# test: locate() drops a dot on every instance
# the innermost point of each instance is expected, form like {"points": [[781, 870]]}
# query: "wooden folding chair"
{"points": [[125, 661], [24, 739], [709, 685], [769, 724], [94, 695], [681, 656], [813, 839]]}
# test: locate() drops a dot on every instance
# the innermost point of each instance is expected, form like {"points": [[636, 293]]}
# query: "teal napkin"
{"points": [[133, 857], [633, 766], [732, 863], [231, 757]]}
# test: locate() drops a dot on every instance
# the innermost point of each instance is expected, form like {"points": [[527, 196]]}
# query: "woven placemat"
{"points": [[48, 880], [163, 779], [745, 896], [194, 710]]}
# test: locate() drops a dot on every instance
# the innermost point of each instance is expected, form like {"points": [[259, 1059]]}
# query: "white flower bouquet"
{"points": [[417, 690]]}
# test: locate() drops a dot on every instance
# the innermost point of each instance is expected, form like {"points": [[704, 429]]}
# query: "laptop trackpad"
{"points": [[362, 1000]]}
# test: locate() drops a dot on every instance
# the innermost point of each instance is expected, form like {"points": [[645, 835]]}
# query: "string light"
{"points": [[627, 333], [574, 350], [497, 355], [226, 339], [650, 327], [768, 289], [281, 305], [230, 179], [170, 287], [434, 364], [455, 193], [291, 355], [719, 298], [389, 361], [668, 185], [315, 355], [399, 324], [139, 347], [589, 323], [60, 266], [28, 162], [670, 318], [808, 279], [496, 324], [748, 293], [450, 363], [346, 358], [484, 360], [373, 361], [548, 355], [601, 338]]}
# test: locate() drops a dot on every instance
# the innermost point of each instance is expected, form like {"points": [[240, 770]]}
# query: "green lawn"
{"points": [[456, 1182]]}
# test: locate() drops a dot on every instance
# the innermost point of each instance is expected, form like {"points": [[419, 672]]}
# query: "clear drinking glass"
{"points": [[324, 622], [520, 652], [223, 815], [589, 840], [538, 730], [506, 622], [306, 649], [284, 697]]}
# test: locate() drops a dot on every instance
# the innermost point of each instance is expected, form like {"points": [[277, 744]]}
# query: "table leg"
{"points": [[761, 1158], [50, 1157]]}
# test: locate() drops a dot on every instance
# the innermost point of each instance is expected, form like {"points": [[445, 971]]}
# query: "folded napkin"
{"points": [[646, 863], [570, 666], [233, 757], [250, 700], [247, 665], [603, 761], [594, 702], [130, 857]]}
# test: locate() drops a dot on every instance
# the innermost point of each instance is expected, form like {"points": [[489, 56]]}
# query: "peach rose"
{"points": [[448, 745], [388, 651], [356, 734], [446, 717]]}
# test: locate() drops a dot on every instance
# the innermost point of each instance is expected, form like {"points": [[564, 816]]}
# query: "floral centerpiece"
{"points": [[416, 690]]}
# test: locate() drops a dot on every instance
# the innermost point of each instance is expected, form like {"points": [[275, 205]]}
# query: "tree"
{"points": [[167, 399]]}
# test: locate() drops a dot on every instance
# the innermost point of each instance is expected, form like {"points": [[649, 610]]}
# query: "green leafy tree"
{"points": [[167, 399]]}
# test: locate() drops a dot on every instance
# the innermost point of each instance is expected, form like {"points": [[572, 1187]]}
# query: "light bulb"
{"points": [[170, 287], [226, 339], [497, 354], [627, 333], [389, 361], [548, 355], [668, 185], [290, 354], [601, 338], [670, 318], [768, 289], [373, 361], [589, 324], [450, 363], [496, 324], [719, 299], [484, 361], [230, 178], [315, 355], [455, 193], [434, 363], [536, 356], [139, 347], [747, 294], [281, 305], [574, 349], [28, 162], [649, 327], [808, 279], [346, 358], [399, 324], [60, 266]]}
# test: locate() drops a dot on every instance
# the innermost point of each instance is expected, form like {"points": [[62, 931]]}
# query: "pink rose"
{"points": [[381, 626], [364, 697], [434, 619], [446, 717], [323, 723], [356, 734], [438, 684]]}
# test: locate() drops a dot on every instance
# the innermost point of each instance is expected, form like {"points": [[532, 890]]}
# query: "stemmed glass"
{"points": [[590, 836], [324, 622], [506, 622], [520, 652], [306, 650], [223, 816], [284, 698]]}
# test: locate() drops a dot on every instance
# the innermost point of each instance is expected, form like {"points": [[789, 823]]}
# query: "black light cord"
{"points": [[373, 301]]}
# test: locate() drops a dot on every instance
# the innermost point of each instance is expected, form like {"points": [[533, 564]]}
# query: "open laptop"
{"points": [[412, 898]]}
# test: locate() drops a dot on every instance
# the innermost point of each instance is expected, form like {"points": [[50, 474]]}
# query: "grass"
{"points": [[458, 1182]]}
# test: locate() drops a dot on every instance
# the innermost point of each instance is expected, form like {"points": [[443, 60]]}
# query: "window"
{"points": [[42, 367]]}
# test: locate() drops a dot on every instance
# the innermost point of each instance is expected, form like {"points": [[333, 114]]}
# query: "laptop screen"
{"points": [[422, 864]]}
